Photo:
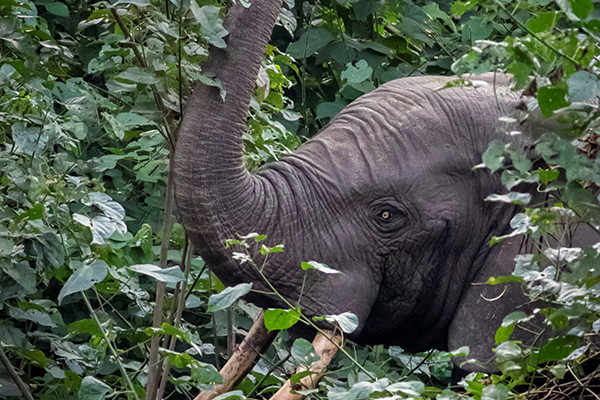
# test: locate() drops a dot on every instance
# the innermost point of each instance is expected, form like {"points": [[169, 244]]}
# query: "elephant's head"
{"points": [[385, 193]]}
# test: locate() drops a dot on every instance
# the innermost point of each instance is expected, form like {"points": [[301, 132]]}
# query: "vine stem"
{"points": [[140, 59], [307, 321], [516, 21], [110, 346], [153, 363], [187, 255]]}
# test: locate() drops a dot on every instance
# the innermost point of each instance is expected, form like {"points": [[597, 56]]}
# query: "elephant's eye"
{"points": [[388, 215]]}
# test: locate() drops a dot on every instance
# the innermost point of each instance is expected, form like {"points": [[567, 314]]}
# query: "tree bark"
{"points": [[326, 346], [243, 359]]}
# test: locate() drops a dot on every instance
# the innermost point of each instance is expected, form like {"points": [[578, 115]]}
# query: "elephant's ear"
{"points": [[482, 309]]}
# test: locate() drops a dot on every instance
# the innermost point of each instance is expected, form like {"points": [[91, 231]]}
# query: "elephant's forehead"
{"points": [[405, 135], [387, 134]]}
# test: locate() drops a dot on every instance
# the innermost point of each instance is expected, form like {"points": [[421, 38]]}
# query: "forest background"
{"points": [[91, 94]]}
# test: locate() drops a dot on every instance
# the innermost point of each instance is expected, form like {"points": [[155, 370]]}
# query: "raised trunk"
{"points": [[210, 173]]}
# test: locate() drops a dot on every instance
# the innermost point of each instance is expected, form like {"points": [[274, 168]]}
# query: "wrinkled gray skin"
{"points": [[405, 151]]}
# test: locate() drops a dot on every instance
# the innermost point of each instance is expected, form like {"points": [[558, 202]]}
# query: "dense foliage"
{"points": [[90, 98]]}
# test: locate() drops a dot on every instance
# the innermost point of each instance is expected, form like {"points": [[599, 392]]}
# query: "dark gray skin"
{"points": [[385, 193]]}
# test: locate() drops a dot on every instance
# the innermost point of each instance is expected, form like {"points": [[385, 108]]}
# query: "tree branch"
{"points": [[23, 388]]}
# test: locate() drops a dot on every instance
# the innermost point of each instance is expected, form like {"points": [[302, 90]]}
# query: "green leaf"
{"points": [[233, 395], [59, 9], [6, 247], [551, 99], [347, 321], [319, 267], [581, 8], [212, 81], [88, 326], [22, 273], [514, 318], [559, 370], [557, 349], [102, 227], [137, 3], [461, 7], [330, 109], [111, 208], [264, 250], [542, 21], [493, 156], [410, 388], [357, 74], [211, 25], [304, 352], [507, 351], [93, 389], [138, 75], [596, 326], [37, 316], [309, 43], [512, 197], [169, 275], [35, 212], [297, 377], [12, 336], [169, 330], [462, 351], [255, 236], [547, 175], [583, 86], [29, 140], [495, 392], [131, 120], [577, 353], [85, 276], [508, 325], [278, 319], [221, 301], [49, 249], [503, 279]]}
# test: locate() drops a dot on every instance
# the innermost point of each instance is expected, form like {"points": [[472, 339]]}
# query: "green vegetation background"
{"points": [[90, 97]]}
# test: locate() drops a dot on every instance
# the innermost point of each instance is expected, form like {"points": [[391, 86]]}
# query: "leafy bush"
{"points": [[90, 97]]}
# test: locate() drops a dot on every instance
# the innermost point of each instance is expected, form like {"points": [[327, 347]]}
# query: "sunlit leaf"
{"points": [[347, 321], [319, 267], [278, 319], [170, 275], [511, 197], [409, 388]]}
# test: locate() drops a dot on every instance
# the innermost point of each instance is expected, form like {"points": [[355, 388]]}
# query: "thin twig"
{"points": [[186, 261], [142, 62], [153, 364], [110, 346], [23, 388]]}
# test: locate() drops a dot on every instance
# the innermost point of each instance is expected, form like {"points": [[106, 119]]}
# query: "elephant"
{"points": [[386, 193]]}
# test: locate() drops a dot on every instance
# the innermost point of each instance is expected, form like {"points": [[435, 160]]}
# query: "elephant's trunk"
{"points": [[209, 170]]}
